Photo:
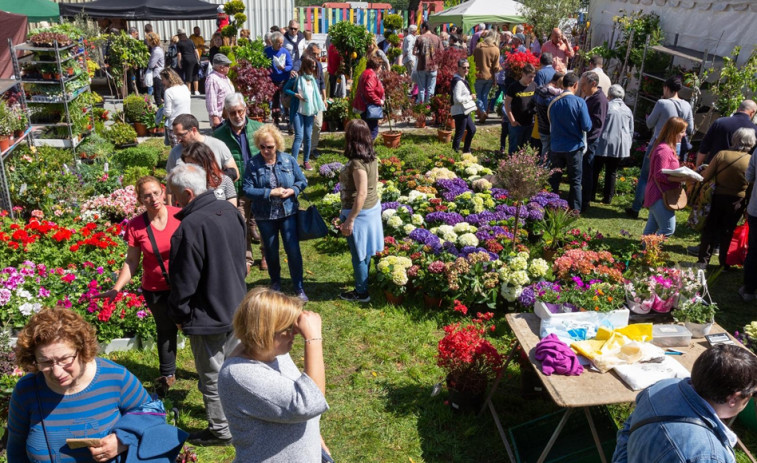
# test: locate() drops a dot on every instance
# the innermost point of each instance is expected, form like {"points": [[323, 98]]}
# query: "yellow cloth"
{"points": [[199, 43], [611, 346]]}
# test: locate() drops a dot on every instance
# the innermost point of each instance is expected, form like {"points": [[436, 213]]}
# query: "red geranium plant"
{"points": [[515, 62], [471, 362]]}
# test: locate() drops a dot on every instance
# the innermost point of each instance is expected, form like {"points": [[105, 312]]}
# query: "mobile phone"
{"points": [[77, 443]]}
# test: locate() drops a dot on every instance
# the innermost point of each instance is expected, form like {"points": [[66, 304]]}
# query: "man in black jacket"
{"points": [[207, 272]]}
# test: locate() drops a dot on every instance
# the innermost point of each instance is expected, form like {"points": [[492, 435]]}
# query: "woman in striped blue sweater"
{"points": [[69, 393]]}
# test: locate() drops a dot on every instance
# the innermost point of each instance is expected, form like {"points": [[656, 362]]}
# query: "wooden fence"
{"points": [[318, 20]]}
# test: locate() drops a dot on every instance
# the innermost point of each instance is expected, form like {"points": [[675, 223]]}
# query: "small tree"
{"points": [[392, 22], [351, 40], [547, 14], [396, 103], [235, 10], [734, 82]]}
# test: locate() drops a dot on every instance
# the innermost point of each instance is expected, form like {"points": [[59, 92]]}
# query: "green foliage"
{"points": [[121, 133], [338, 110], [471, 72], [352, 41], [235, 10], [253, 52], [134, 107], [642, 25], [392, 22], [138, 156], [359, 69], [124, 53], [399, 69], [233, 7], [393, 54], [734, 83], [696, 311], [95, 147], [40, 181], [545, 15], [134, 173]]}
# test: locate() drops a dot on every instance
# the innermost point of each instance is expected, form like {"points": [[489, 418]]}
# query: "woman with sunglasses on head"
{"points": [[223, 186], [273, 181], [273, 408], [68, 393], [463, 105]]}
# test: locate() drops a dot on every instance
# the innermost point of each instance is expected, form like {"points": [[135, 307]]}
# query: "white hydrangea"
{"points": [[417, 220], [416, 195], [524, 254], [511, 293], [504, 273], [388, 213], [519, 262], [403, 199], [440, 172], [331, 198], [395, 221], [519, 278], [468, 158], [478, 204], [408, 228], [467, 239], [482, 184], [446, 233], [464, 227], [538, 268]]}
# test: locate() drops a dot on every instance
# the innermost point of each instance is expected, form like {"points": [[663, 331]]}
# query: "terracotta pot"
{"points": [[160, 130], [432, 302], [394, 299], [18, 133], [392, 139], [420, 123], [5, 143], [47, 75], [444, 135], [141, 129], [257, 118]]}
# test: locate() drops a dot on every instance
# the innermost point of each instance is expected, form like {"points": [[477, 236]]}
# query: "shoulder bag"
{"points": [[674, 199], [372, 111], [310, 224], [701, 199], [155, 248]]}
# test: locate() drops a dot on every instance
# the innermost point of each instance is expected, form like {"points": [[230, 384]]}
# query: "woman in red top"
{"points": [[662, 221], [370, 91], [155, 287], [334, 63]]}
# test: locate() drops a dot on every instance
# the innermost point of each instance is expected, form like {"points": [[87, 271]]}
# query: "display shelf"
{"points": [[52, 81], [56, 48], [25, 59], [59, 142], [689, 54], [70, 98], [16, 142]]}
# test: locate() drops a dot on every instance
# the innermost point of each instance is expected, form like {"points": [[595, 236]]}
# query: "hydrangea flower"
{"points": [[467, 239]]}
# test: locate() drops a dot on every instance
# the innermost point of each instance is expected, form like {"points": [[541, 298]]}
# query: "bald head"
{"points": [[748, 106], [556, 35]]}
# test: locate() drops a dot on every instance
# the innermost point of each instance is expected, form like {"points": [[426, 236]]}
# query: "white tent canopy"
{"points": [[715, 26], [472, 12]]}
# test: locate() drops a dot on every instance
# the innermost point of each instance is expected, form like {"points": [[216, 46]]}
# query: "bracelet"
{"points": [[307, 341]]}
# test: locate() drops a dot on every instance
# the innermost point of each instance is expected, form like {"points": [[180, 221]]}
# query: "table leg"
{"points": [[594, 434], [501, 432], [555, 435], [510, 357]]}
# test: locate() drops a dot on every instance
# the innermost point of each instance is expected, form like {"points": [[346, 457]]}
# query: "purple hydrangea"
{"points": [[485, 218], [527, 297], [549, 200], [330, 170], [452, 188], [395, 205], [486, 232], [337, 188], [426, 238], [499, 193], [449, 218]]}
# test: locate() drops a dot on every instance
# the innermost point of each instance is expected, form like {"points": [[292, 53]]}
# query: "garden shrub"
{"points": [[41, 181], [138, 156], [121, 134], [134, 173]]}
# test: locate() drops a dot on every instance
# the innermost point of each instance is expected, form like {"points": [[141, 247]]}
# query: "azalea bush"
{"points": [[515, 62]]}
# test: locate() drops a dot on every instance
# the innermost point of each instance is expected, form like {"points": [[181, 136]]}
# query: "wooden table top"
{"points": [[590, 388]]}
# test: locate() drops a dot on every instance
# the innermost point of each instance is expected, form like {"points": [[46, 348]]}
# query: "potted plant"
{"points": [[697, 315], [338, 113], [123, 53], [351, 40], [256, 86], [19, 120], [420, 112], [441, 106], [554, 229], [469, 360], [392, 277], [6, 126], [135, 108], [396, 103], [121, 135]]}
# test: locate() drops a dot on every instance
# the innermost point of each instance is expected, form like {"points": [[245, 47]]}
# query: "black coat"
{"points": [[207, 266]]}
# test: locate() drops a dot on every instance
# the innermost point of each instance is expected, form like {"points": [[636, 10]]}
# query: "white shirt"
{"points": [[604, 80], [178, 100]]}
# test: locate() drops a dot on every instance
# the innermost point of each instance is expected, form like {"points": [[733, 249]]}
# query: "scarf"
{"points": [[313, 103]]}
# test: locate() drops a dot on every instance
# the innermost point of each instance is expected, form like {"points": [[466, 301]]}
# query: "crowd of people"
{"points": [[241, 186]]}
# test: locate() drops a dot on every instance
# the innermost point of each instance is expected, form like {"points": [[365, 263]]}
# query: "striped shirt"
{"points": [[92, 412]]}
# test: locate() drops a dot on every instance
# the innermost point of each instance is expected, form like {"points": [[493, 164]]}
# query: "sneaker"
{"points": [[631, 213], [355, 296], [197, 93], [206, 438], [692, 250], [163, 384], [276, 286], [307, 166], [303, 297], [746, 297]]}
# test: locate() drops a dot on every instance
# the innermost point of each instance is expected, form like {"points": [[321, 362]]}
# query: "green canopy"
{"points": [[35, 10], [472, 12]]}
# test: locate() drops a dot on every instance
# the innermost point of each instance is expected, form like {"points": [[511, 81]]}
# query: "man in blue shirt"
{"points": [[546, 72], [682, 419], [281, 65], [718, 137], [569, 119]]}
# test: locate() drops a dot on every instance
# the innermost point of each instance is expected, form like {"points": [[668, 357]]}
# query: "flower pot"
{"points": [[444, 136], [394, 299], [698, 330], [119, 344], [432, 302], [141, 129], [392, 139], [47, 75], [5, 142], [257, 118], [420, 123], [464, 401]]}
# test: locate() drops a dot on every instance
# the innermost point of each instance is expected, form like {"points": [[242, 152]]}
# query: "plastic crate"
{"points": [[575, 443]]}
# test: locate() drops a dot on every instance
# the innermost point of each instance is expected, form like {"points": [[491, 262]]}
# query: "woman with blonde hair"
{"points": [[154, 66], [273, 180], [662, 221], [374, 50], [273, 408], [178, 100]]}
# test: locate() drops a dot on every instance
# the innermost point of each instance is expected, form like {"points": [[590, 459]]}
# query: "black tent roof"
{"points": [[142, 9]]}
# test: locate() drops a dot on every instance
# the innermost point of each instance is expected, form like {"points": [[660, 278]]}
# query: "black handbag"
{"points": [[310, 224]]}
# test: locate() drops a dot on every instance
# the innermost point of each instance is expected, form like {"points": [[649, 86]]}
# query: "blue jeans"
{"points": [[587, 182], [638, 198], [359, 267], [269, 234], [661, 220], [372, 124], [483, 87], [426, 85], [545, 140], [500, 90], [303, 130], [573, 160], [519, 135]]}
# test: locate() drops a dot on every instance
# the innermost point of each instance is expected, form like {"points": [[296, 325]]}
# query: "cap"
{"points": [[180, 31], [220, 9], [520, 37], [220, 58]]}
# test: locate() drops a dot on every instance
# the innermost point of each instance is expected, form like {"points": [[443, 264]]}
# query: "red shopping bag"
{"points": [[739, 243]]}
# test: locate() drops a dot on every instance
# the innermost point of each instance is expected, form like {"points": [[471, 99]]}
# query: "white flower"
{"points": [[440, 172], [416, 195], [388, 213], [408, 228], [394, 221], [417, 220], [519, 278], [447, 233], [28, 308], [519, 263], [482, 185], [464, 227], [511, 293], [24, 294], [538, 268], [403, 199], [504, 273], [467, 239]]}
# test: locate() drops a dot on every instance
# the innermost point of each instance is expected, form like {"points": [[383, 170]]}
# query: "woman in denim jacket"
{"points": [[273, 181]]}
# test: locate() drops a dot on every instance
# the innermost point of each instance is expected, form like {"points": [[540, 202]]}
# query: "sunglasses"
{"points": [[267, 147]]}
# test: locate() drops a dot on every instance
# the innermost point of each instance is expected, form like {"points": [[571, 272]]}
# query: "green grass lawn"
{"points": [[380, 363]]}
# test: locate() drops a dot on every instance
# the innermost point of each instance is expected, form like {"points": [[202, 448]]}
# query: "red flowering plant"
{"points": [[470, 361], [126, 315], [257, 87], [515, 61]]}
